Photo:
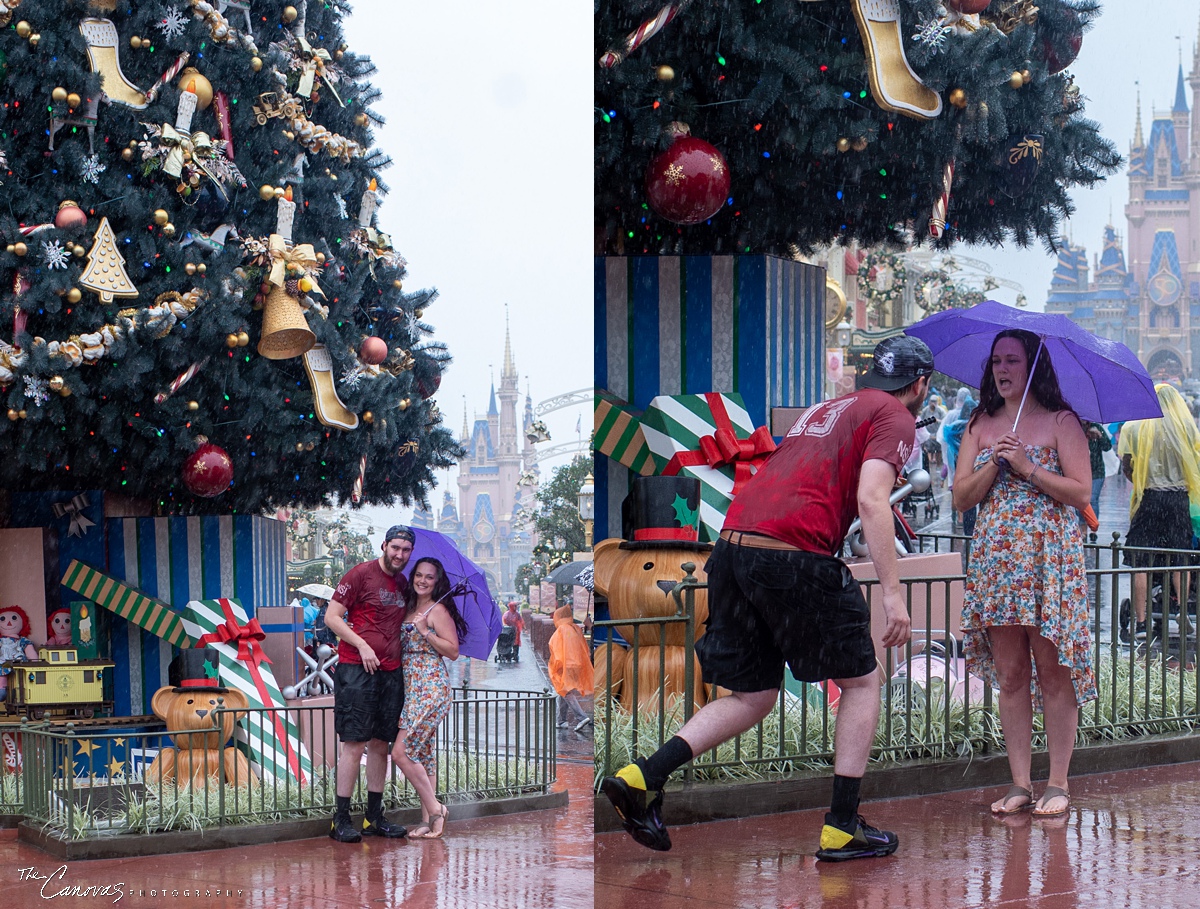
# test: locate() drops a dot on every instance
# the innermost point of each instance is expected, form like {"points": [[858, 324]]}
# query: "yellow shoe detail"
{"points": [[833, 838], [632, 774], [366, 823]]}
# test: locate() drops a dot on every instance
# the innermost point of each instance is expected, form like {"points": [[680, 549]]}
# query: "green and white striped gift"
{"points": [[618, 434], [674, 424], [270, 738]]}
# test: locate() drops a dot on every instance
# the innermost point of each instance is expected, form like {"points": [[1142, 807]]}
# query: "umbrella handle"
{"points": [[1003, 462]]}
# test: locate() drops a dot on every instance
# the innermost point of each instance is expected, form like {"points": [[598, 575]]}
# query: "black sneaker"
{"points": [[864, 841], [342, 830], [640, 811], [382, 827]]}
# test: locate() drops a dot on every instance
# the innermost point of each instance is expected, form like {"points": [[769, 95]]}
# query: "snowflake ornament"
{"points": [[36, 389], [341, 204], [172, 23], [353, 377], [54, 254], [933, 34], [92, 169]]}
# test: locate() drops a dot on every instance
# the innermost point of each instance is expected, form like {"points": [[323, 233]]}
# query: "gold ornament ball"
{"points": [[859, 143], [360, 119], [204, 89], [290, 14], [20, 249], [243, 339], [1025, 75], [256, 64], [1016, 80], [309, 446], [403, 405], [59, 95], [958, 98], [843, 144], [74, 295], [65, 391], [368, 417], [398, 284], [24, 29], [202, 268], [168, 230], [266, 192], [299, 446], [79, 251], [73, 100], [127, 154], [135, 42], [193, 405], [161, 217], [190, 268], [56, 383], [277, 192], [10, 249], [321, 257], [22, 414], [418, 313], [231, 341], [664, 73], [13, 415], [35, 39]]}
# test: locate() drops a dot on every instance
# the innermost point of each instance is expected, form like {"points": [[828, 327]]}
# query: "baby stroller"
{"points": [[506, 651], [931, 457]]}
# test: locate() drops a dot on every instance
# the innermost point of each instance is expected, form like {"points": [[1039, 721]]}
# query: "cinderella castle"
{"points": [[497, 482], [1153, 303]]}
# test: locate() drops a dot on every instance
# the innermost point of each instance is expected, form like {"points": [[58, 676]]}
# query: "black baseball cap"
{"points": [[399, 531], [899, 361]]}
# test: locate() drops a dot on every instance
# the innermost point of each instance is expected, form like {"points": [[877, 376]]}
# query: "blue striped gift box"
{"points": [[672, 325], [180, 559]]}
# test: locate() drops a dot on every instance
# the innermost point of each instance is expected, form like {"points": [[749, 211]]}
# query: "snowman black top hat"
{"points": [[662, 511], [196, 670]]}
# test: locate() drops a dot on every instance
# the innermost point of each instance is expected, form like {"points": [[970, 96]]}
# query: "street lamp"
{"points": [[843, 333], [587, 508]]}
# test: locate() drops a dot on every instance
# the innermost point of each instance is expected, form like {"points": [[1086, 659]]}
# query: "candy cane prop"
{"points": [[356, 493], [642, 33], [166, 77], [181, 380], [937, 223]]}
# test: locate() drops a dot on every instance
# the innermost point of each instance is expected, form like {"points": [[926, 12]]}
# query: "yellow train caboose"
{"points": [[59, 684]]}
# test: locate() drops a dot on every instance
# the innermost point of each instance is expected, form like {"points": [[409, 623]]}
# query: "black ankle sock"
{"points": [[343, 805], [374, 805], [660, 765], [844, 807]]}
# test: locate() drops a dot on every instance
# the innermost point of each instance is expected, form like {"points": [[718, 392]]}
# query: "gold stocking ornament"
{"points": [[329, 407], [894, 85]]}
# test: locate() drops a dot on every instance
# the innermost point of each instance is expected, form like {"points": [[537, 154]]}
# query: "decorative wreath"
{"points": [[882, 276]]}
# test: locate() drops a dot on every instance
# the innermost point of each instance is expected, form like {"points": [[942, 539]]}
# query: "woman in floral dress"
{"points": [[432, 635], [1026, 601]]}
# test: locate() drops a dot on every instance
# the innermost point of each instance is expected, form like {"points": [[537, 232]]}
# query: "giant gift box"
{"points": [[750, 325]]}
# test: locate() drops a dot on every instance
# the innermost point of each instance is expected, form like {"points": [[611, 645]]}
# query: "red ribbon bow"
{"points": [[723, 448], [247, 637]]}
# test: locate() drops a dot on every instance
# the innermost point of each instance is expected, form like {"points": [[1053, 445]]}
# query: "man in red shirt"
{"points": [[366, 613], [777, 594]]}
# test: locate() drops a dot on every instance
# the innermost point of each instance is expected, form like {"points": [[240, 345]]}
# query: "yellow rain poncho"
{"points": [[1165, 452]]}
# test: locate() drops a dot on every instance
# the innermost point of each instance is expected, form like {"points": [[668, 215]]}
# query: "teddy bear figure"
{"points": [[186, 705]]}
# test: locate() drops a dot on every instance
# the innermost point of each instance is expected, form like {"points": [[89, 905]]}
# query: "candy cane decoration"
{"points": [[221, 102], [181, 380], [170, 74], [642, 33], [937, 223], [356, 493]]}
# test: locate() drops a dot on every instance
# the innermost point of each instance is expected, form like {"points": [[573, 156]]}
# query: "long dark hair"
{"points": [[1044, 388], [441, 594]]}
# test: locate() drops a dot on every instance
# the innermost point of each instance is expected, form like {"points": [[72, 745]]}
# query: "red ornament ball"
{"points": [[968, 7], [427, 386], [373, 351], [1061, 35], [208, 471], [689, 182], [69, 215]]}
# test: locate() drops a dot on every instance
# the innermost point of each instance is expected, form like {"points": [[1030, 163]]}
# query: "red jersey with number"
{"points": [[374, 602], [806, 493]]}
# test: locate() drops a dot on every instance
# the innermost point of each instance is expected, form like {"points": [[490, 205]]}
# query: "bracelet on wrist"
{"points": [[1033, 473]]}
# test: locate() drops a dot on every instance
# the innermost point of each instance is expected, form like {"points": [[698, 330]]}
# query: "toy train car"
{"points": [[59, 684]]}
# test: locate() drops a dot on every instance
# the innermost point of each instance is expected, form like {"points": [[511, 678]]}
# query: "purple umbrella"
{"points": [[468, 588], [1102, 380]]}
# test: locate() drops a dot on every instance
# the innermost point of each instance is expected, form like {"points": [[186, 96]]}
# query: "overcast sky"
{"points": [[1130, 43], [489, 128]]}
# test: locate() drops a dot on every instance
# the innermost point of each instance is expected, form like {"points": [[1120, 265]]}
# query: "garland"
{"points": [[89, 348]]}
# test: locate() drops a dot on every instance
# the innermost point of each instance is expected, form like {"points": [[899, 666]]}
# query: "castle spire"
{"points": [[1138, 141], [509, 369], [1180, 106], [466, 432]]}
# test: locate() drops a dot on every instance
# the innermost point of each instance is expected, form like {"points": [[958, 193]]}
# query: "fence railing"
{"points": [[931, 707], [80, 784]]}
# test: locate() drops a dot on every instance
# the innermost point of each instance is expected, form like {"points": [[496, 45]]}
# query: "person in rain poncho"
{"points": [[953, 415], [570, 667], [953, 435], [1160, 458]]}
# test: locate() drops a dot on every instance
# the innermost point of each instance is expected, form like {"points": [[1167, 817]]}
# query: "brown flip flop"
{"points": [[1015, 792], [1053, 792]]}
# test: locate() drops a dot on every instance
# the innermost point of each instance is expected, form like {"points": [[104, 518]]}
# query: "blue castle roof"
{"points": [[1162, 135]]}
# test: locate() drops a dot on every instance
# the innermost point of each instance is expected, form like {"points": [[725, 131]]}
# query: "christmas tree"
{"points": [[197, 281], [838, 120]]}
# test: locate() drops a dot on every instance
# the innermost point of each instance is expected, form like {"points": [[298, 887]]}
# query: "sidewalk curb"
{"points": [[701, 802]]}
